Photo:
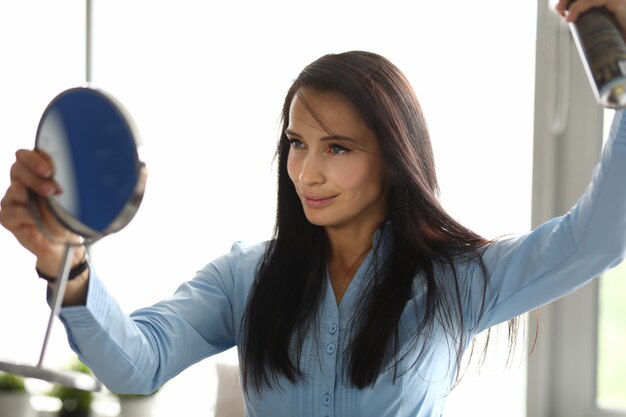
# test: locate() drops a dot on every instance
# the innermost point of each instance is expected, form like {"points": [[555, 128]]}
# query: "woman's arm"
{"points": [[140, 352], [563, 254]]}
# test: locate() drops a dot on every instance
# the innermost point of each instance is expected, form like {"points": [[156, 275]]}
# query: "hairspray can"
{"points": [[602, 49]]}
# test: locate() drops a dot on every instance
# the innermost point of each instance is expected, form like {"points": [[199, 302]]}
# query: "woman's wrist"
{"points": [[76, 290], [78, 280], [48, 267], [74, 273]]}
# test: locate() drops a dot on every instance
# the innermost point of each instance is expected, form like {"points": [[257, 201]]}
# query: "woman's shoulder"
{"points": [[242, 251], [237, 265]]}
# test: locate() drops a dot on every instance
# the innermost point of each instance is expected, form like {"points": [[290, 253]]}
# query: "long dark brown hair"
{"points": [[282, 309]]}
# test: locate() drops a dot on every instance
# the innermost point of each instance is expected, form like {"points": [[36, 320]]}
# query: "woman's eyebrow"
{"points": [[341, 138], [292, 133]]}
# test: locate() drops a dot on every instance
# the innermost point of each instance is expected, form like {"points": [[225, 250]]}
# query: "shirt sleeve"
{"points": [[563, 254], [140, 352]]}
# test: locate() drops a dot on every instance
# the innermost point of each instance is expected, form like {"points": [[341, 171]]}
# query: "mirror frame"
{"points": [[129, 210]]}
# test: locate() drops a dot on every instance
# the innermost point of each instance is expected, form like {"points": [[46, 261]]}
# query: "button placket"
{"points": [[328, 344], [332, 343]]}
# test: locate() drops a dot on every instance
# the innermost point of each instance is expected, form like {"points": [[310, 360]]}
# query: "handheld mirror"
{"points": [[93, 144]]}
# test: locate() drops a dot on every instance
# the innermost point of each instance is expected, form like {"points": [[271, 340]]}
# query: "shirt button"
{"points": [[330, 349], [332, 329], [327, 399]]}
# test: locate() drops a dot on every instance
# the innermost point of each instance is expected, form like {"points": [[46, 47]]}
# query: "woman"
{"points": [[369, 293]]}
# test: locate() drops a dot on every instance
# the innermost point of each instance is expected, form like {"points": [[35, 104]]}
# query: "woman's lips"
{"points": [[314, 201]]}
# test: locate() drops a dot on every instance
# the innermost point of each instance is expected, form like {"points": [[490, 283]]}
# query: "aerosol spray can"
{"points": [[601, 46]]}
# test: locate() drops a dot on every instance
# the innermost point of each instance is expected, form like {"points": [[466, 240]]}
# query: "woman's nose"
{"points": [[312, 172]]}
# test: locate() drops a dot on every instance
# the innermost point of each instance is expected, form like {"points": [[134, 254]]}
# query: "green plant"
{"points": [[74, 402], [12, 383]]}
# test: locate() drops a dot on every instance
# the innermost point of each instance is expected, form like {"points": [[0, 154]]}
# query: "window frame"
{"points": [[563, 360]]}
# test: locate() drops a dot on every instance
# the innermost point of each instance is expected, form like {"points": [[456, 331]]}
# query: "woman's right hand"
{"points": [[33, 170]]}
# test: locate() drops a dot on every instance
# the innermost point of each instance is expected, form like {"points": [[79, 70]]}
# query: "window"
{"points": [[611, 363], [611, 374], [568, 370]]}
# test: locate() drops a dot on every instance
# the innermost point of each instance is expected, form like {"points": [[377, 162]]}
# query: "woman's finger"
{"points": [[18, 219], [16, 194], [617, 7], [42, 184], [48, 162], [14, 209], [35, 161], [561, 7], [581, 6], [16, 216]]}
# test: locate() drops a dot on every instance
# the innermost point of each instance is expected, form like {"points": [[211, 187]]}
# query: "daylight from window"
{"points": [[611, 362]]}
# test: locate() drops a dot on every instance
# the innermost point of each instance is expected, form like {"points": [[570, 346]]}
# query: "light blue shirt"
{"points": [[141, 352]]}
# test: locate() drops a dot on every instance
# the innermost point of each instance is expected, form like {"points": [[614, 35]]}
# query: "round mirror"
{"points": [[93, 145]]}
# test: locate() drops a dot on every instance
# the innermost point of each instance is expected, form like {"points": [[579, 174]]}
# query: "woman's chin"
{"points": [[320, 221], [317, 222]]}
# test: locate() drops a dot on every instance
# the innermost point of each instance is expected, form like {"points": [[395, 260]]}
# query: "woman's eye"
{"points": [[338, 150], [295, 143]]}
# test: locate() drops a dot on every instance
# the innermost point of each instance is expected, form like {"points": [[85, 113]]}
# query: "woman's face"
{"points": [[335, 163]]}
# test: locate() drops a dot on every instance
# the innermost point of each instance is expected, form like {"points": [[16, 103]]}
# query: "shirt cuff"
{"points": [[95, 311]]}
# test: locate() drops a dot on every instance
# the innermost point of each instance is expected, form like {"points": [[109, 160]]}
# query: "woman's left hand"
{"points": [[617, 7]]}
